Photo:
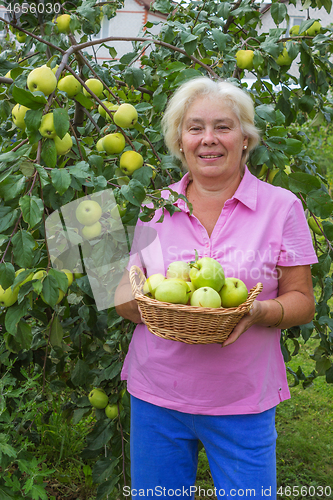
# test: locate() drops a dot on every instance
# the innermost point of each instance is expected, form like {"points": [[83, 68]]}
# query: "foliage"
{"points": [[51, 344]]}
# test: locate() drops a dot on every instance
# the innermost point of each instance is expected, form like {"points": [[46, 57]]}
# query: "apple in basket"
{"points": [[151, 284], [206, 297], [207, 272], [179, 269], [189, 285], [233, 293], [172, 290]]}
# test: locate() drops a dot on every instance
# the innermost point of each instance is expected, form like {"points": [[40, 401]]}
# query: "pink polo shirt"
{"points": [[260, 227]]}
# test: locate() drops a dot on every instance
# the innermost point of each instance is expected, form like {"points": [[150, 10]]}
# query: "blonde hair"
{"points": [[235, 98]]}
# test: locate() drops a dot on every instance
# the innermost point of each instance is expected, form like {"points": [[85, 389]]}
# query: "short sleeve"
{"points": [[297, 247]]}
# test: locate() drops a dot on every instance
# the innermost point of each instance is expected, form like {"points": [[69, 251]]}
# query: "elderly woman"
{"points": [[224, 397]]}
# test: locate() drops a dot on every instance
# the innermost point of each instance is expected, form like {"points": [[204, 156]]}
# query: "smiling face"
{"points": [[212, 139]]}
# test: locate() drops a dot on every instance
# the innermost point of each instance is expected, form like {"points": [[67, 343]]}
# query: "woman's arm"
{"points": [[296, 297], [125, 305]]}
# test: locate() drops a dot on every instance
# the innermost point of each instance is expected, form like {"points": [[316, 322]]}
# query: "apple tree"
{"points": [[73, 131]]}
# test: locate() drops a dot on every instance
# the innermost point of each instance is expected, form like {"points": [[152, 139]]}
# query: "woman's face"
{"points": [[211, 139]]}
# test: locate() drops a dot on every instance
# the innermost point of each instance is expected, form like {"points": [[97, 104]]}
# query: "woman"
{"points": [[224, 397]]}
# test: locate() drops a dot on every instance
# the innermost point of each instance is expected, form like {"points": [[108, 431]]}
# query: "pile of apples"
{"points": [[201, 283]]}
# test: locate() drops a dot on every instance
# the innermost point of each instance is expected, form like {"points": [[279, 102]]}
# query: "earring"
{"points": [[245, 147], [181, 150]]}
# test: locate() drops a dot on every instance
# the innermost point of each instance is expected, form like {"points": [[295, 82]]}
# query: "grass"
{"points": [[305, 439]]}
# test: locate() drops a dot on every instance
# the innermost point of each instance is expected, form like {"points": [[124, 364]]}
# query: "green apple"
{"points": [[126, 116], [190, 290], [114, 143], [99, 145], [206, 297], [179, 269], [244, 59], [62, 23], [88, 212], [18, 114], [152, 283], [39, 274], [130, 161], [20, 36], [70, 276], [92, 231], [28, 278], [42, 79], [111, 411], [61, 296], [314, 226], [233, 292], [98, 399], [109, 105], [46, 128], [294, 30], [207, 272], [284, 59], [70, 85], [95, 86], [63, 145], [314, 29], [8, 297], [172, 291]]}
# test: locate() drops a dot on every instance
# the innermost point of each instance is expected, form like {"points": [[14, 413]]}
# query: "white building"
{"points": [[129, 21]]}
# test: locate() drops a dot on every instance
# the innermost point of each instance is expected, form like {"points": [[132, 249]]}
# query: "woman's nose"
{"points": [[209, 136]]}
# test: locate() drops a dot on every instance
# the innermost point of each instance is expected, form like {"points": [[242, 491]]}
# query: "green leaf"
{"points": [[303, 183], [81, 374], [103, 469], [134, 77], [23, 245], [278, 12], [26, 98], [12, 186], [32, 119], [61, 180], [61, 122], [50, 291], [100, 435], [266, 112], [134, 192], [320, 203], [159, 102], [7, 218], [49, 153], [13, 316], [7, 274], [42, 175], [23, 335], [220, 39], [190, 42], [56, 332], [32, 209], [86, 102], [107, 487]]}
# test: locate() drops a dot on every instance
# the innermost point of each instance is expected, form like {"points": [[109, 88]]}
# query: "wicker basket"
{"points": [[188, 324]]}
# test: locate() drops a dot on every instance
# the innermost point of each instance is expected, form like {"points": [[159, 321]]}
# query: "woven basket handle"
{"points": [[137, 279]]}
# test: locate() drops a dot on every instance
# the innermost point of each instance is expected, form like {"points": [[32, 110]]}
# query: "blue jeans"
{"points": [[164, 453]]}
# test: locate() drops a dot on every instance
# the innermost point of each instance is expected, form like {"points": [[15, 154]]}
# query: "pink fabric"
{"points": [[260, 227]]}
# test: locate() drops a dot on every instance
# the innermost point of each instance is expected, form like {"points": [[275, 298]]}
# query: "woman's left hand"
{"points": [[245, 323]]}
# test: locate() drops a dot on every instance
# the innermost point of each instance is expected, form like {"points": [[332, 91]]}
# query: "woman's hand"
{"points": [[253, 316]]}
